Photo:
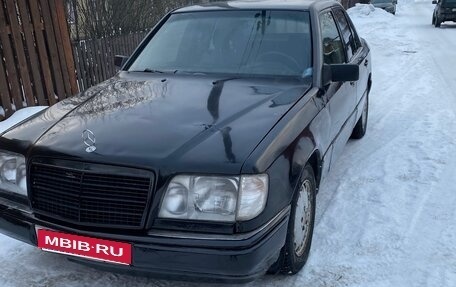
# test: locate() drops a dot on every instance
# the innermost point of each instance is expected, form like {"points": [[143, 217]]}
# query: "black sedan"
{"points": [[445, 10], [203, 156]]}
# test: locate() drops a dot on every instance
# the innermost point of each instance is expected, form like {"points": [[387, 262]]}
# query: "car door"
{"points": [[356, 51], [363, 60], [340, 96], [352, 48]]}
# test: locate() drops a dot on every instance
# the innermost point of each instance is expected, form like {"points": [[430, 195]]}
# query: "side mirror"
{"points": [[434, 2], [339, 73], [119, 61]]}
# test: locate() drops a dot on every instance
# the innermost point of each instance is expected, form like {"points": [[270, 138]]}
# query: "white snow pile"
{"points": [[368, 10], [18, 117]]}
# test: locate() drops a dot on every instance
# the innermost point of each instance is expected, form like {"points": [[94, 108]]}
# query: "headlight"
{"points": [[214, 198], [13, 173], [253, 195]]}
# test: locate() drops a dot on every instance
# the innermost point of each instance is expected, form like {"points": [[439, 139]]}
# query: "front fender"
{"points": [[302, 133]]}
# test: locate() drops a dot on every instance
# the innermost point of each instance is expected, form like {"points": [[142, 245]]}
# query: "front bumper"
{"points": [[447, 16], [236, 259]]}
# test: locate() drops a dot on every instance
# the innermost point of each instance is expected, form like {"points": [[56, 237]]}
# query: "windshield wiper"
{"points": [[152, 71], [218, 82]]}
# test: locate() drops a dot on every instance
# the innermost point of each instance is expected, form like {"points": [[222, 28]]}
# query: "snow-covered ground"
{"points": [[387, 213]]}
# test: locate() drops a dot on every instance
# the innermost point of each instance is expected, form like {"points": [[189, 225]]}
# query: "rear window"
{"points": [[231, 42]]}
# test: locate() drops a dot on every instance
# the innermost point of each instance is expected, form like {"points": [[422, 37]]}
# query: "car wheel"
{"points": [[438, 23], [361, 126], [294, 254], [433, 20]]}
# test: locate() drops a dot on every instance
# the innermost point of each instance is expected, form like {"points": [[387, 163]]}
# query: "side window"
{"points": [[355, 35], [347, 34], [333, 50]]}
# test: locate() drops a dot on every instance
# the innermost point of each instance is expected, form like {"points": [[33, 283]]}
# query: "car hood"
{"points": [[181, 123]]}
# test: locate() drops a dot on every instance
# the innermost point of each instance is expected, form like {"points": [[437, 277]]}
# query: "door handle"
{"points": [[352, 83], [366, 62]]}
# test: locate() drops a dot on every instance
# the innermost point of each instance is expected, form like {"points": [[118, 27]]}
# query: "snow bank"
{"points": [[368, 10], [383, 33], [362, 10], [18, 117]]}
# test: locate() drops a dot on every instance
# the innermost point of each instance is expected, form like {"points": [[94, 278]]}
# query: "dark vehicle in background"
{"points": [[445, 10], [387, 5], [203, 156]]}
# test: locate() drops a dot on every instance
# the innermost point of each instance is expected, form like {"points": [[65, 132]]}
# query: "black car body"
{"points": [[101, 164], [445, 10], [387, 5]]}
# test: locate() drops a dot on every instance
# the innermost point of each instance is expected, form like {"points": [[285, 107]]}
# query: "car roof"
{"points": [[260, 5]]}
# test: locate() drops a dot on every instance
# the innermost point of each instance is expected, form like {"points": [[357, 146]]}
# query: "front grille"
{"points": [[90, 195]]}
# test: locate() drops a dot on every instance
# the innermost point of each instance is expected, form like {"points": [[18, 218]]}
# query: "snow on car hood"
{"points": [[18, 117]]}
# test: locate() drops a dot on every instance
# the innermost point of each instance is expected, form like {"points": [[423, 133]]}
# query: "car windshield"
{"points": [[243, 43], [449, 2]]}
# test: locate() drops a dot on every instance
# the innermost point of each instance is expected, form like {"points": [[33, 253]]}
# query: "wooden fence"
{"points": [[94, 59], [36, 62]]}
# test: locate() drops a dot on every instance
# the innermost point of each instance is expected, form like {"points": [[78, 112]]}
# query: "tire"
{"points": [[438, 23], [433, 20], [293, 258], [361, 126]]}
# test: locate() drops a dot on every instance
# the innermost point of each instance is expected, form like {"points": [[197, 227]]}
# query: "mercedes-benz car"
{"points": [[203, 156], [445, 10]]}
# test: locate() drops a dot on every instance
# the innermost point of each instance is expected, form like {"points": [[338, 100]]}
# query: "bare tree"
{"points": [[95, 19]]}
